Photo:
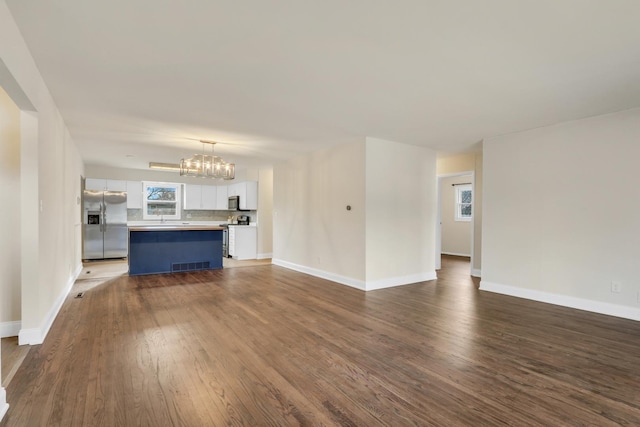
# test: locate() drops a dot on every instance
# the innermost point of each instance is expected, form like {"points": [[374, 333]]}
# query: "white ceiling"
{"points": [[270, 79]]}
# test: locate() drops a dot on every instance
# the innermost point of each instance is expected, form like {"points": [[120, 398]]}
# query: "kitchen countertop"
{"points": [[180, 223], [175, 227]]}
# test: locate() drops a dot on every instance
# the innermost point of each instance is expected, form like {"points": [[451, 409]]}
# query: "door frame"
{"points": [[472, 175]]}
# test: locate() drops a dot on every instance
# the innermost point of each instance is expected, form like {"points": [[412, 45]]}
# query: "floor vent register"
{"points": [[190, 266]]}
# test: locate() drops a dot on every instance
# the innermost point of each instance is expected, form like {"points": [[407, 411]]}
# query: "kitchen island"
{"points": [[157, 249]]}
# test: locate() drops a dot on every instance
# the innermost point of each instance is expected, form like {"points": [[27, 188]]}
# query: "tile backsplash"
{"points": [[195, 215]]}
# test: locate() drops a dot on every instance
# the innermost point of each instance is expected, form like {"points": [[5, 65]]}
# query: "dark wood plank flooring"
{"points": [[12, 357], [268, 346]]}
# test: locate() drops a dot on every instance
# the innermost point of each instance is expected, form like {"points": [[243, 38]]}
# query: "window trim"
{"points": [[459, 188], [178, 188]]}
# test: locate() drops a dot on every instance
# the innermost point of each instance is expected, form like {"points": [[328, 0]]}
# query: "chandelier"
{"points": [[207, 165]]}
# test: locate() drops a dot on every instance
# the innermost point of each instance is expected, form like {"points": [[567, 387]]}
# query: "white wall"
{"points": [[387, 238], [50, 168], [561, 213], [50, 178], [312, 230], [400, 213], [10, 287], [456, 235], [264, 177], [265, 213]]}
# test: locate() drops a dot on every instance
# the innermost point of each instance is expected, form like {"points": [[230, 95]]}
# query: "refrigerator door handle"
{"points": [[103, 219]]}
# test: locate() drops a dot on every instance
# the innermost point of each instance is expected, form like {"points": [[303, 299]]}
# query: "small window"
{"points": [[161, 200], [464, 199]]}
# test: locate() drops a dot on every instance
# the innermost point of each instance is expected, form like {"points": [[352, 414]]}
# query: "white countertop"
{"points": [[181, 223], [180, 227]]}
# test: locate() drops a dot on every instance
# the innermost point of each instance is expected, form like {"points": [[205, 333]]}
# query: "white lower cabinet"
{"points": [[243, 242]]}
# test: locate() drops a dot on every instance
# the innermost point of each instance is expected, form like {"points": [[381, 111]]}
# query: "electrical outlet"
{"points": [[616, 286], [638, 297]]}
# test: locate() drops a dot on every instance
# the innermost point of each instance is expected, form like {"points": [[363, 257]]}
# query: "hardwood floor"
{"points": [[12, 357], [233, 263], [269, 346]]}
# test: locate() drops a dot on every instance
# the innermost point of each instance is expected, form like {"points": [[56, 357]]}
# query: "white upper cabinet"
{"points": [[192, 197], [216, 197], [133, 189], [209, 194], [196, 196], [134, 194], [95, 184], [105, 184], [233, 190], [248, 194], [222, 198], [200, 197], [116, 185]]}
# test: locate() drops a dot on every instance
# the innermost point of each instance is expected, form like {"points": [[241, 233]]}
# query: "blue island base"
{"points": [[172, 251]]}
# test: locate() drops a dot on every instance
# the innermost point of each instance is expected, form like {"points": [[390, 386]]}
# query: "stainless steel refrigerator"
{"points": [[104, 224]]}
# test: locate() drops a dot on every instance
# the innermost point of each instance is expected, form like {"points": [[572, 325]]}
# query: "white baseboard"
{"points": [[4, 407], [35, 336], [609, 309], [10, 329], [358, 284], [456, 254], [265, 255], [31, 336], [476, 272], [400, 281]]}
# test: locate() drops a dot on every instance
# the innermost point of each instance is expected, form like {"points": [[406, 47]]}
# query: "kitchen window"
{"points": [[464, 199], [161, 200]]}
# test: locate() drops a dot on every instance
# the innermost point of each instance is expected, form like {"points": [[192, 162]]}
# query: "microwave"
{"points": [[234, 203]]}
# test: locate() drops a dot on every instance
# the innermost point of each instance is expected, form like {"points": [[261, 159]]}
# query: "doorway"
{"points": [[10, 258], [455, 225]]}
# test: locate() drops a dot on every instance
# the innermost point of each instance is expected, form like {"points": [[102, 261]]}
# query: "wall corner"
{"points": [[4, 406]]}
